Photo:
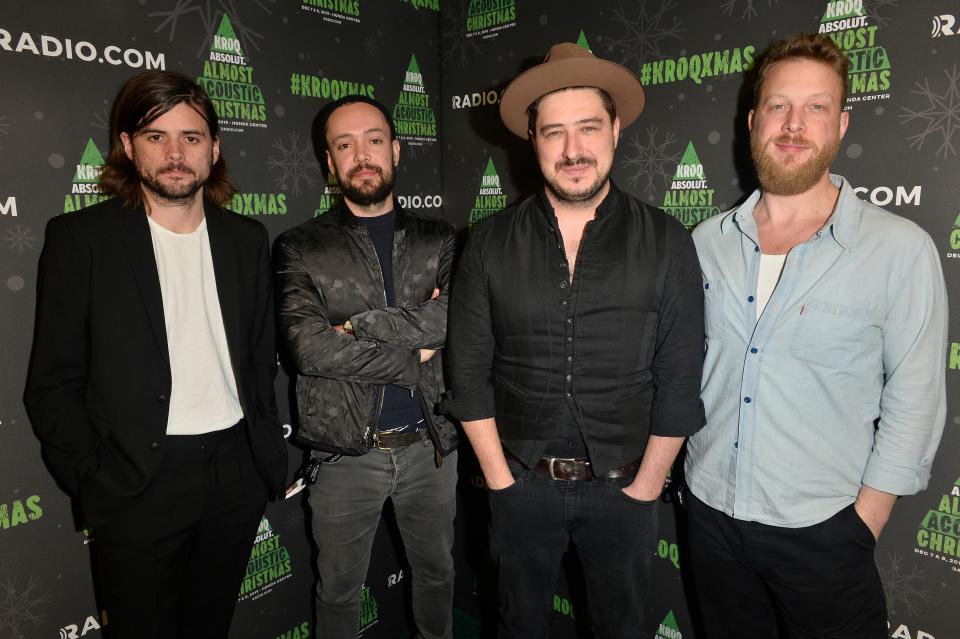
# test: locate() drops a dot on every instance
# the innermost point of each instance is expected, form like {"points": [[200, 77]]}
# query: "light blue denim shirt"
{"points": [[855, 330]]}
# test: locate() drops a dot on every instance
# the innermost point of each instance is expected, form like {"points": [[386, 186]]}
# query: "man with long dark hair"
{"points": [[151, 377]]}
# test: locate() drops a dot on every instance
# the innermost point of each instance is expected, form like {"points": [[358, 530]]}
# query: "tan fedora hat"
{"points": [[570, 65]]}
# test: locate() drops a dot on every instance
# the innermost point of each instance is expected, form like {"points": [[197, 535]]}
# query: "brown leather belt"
{"points": [[578, 469], [389, 441]]}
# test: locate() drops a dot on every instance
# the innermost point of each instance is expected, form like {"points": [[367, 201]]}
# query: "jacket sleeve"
{"points": [[420, 326], [471, 346], [677, 367], [268, 429], [55, 395], [319, 350]]}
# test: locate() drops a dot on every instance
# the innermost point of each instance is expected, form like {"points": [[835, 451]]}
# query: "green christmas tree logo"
{"points": [[689, 198], [846, 22], [668, 628], [939, 531], [490, 198], [85, 189], [413, 116], [582, 41], [229, 81]]}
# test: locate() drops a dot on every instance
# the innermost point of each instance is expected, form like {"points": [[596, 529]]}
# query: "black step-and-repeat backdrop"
{"points": [[270, 65]]}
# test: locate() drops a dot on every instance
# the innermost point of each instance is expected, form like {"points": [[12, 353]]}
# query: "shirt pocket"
{"points": [[834, 335], [714, 292]]}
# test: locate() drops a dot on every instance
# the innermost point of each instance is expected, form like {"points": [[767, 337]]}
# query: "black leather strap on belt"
{"points": [[389, 441], [578, 469]]}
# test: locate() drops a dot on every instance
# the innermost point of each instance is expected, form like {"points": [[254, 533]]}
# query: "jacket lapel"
{"points": [[143, 263]]}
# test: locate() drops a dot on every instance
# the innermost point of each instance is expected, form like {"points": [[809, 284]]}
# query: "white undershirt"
{"points": [[771, 266], [204, 393]]}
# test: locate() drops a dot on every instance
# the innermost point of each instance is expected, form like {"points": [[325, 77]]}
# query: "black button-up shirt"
{"points": [[621, 344]]}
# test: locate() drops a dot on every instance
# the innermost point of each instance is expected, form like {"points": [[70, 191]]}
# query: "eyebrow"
{"points": [[590, 120], [185, 131], [818, 96], [375, 129]]}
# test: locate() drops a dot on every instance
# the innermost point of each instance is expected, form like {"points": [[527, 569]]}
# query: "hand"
{"points": [[339, 328], [872, 522], [426, 354], [873, 507], [501, 483], [642, 492]]}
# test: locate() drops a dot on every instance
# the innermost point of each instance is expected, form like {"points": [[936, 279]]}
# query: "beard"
{"points": [[370, 191], [178, 192], [583, 192], [793, 178]]}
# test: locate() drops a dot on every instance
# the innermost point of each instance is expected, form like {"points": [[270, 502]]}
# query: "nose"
{"points": [[572, 145], [175, 149], [362, 154], [794, 123]]}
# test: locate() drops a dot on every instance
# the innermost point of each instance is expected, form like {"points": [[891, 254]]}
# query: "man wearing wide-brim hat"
{"points": [[575, 346]]}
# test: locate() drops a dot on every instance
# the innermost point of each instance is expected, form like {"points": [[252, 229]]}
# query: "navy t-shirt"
{"points": [[401, 407]]}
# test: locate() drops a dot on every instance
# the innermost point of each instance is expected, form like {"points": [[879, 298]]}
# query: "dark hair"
{"points": [[142, 99], [319, 130], [533, 110], [810, 46]]}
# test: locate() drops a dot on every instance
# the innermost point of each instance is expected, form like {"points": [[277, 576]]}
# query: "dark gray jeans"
{"points": [[347, 501]]}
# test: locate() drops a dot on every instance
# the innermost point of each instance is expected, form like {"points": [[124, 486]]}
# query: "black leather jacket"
{"points": [[327, 272]]}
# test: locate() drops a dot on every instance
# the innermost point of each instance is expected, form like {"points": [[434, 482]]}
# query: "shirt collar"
{"points": [[843, 223], [611, 203]]}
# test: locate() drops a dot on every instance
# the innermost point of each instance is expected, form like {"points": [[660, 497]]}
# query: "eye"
{"points": [[376, 141], [192, 139], [552, 133], [817, 107], [343, 146], [589, 129], [154, 137]]}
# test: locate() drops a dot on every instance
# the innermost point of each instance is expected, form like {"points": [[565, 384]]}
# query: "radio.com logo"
{"points": [[944, 25], [475, 99], [420, 201], [75, 631], [82, 50]]}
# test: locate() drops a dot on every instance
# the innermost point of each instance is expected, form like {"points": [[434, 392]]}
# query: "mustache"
{"points": [[568, 162], [797, 140], [364, 167], [176, 166]]}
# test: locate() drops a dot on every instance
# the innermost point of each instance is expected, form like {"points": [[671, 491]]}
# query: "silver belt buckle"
{"points": [[554, 460], [378, 445]]}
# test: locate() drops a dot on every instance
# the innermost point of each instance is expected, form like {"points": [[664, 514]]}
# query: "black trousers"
{"points": [[532, 523], [170, 565], [769, 582]]}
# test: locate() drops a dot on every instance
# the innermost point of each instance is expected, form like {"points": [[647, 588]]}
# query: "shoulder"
{"points": [[318, 227], [100, 220], [645, 214], [240, 226]]}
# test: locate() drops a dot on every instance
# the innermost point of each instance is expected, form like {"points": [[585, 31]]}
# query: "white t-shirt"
{"points": [[204, 396], [771, 266]]}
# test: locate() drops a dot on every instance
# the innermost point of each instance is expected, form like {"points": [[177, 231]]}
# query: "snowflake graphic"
{"points": [[296, 164], [371, 46], [101, 120], [19, 239], [19, 605], [453, 36], [940, 117], [874, 7], [652, 158], [4, 125], [749, 8], [903, 588], [294, 519], [644, 34], [209, 13]]}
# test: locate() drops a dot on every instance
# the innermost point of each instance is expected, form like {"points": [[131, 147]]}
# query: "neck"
{"points": [[178, 216], [813, 205], [561, 207], [371, 210]]}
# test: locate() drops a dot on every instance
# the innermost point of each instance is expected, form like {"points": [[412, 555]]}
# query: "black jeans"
{"points": [[170, 565], [347, 501], [532, 524], [815, 582]]}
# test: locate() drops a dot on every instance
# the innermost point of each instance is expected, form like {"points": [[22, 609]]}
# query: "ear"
{"points": [[616, 131], [216, 150], [330, 162], [395, 145], [127, 145], [844, 122], [750, 120]]}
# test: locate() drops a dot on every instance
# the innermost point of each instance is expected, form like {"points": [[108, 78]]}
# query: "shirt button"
{"points": [[569, 358], [563, 284], [563, 303], [707, 285], [161, 398], [569, 377], [756, 249], [569, 320], [569, 339], [750, 299], [570, 442], [753, 350], [154, 446], [747, 400], [569, 395], [736, 444]]}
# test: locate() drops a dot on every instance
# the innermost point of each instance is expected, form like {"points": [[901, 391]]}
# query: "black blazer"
{"points": [[99, 381]]}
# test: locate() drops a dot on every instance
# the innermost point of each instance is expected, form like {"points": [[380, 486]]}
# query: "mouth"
{"points": [[176, 171], [365, 172], [575, 168], [792, 145]]}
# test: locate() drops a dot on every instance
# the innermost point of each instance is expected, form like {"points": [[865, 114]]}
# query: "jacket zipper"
{"points": [[368, 434]]}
